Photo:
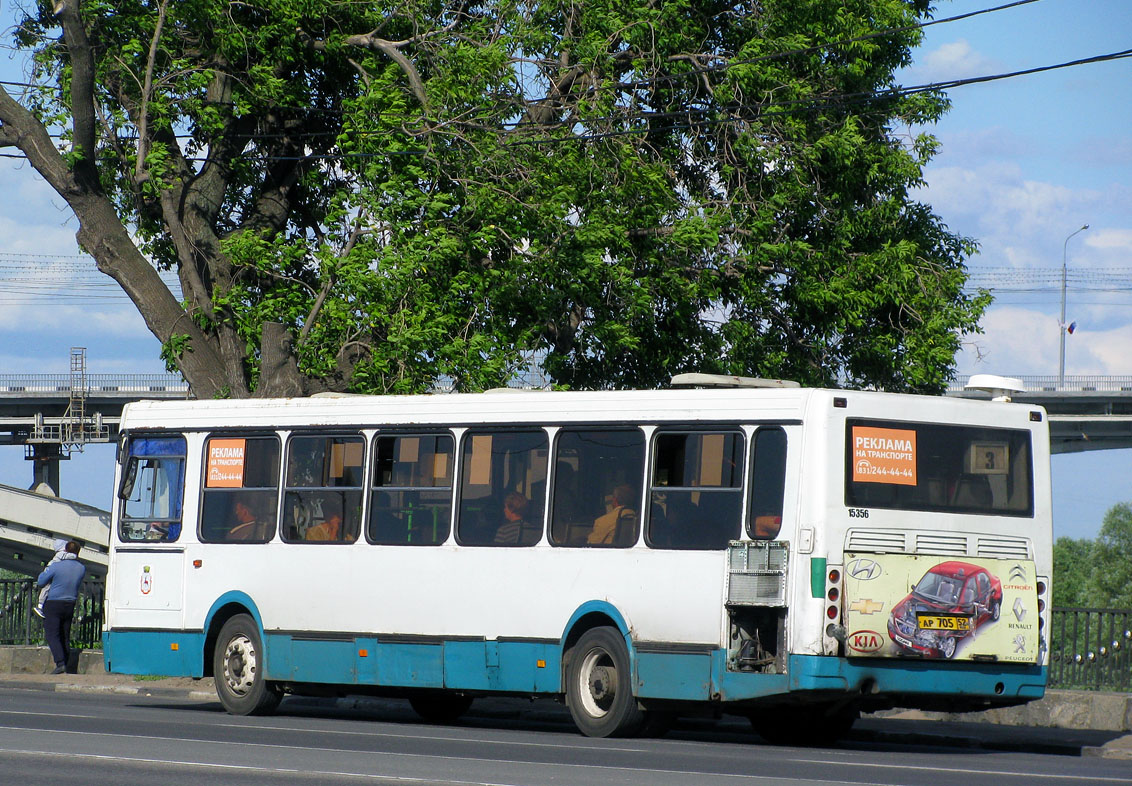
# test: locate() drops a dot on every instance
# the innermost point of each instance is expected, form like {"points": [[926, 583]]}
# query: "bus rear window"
{"points": [[934, 467]]}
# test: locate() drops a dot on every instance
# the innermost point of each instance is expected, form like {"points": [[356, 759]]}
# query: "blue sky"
{"points": [[1024, 162]]}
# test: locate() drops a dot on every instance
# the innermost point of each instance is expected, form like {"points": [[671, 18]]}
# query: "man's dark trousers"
{"points": [[57, 616]]}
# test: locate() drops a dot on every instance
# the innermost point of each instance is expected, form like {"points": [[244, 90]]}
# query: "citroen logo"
{"points": [[1017, 573], [864, 569], [1019, 609]]}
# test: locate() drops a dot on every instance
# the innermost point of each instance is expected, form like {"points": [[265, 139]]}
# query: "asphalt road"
{"points": [[88, 738]]}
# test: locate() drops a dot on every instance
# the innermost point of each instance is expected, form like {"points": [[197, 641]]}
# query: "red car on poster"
{"points": [[947, 604]]}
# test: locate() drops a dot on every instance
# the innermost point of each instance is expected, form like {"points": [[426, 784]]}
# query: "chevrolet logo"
{"points": [[866, 606]]}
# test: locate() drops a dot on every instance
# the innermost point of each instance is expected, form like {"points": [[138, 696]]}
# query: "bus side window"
{"points": [[768, 484], [152, 489], [322, 502], [241, 489], [411, 504], [596, 492], [696, 497], [502, 483]]}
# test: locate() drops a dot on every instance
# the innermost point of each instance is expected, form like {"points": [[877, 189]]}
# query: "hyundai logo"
{"points": [[864, 569]]}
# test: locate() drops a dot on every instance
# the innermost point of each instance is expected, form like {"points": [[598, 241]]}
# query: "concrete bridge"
{"points": [[1085, 412]]}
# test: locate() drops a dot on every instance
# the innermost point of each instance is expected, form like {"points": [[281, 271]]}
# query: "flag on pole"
{"points": [[1072, 327]]}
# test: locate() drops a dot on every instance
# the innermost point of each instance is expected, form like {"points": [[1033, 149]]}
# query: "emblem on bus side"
{"points": [[865, 641], [864, 569], [146, 580]]}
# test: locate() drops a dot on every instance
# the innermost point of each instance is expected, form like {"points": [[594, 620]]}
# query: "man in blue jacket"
{"points": [[65, 576]]}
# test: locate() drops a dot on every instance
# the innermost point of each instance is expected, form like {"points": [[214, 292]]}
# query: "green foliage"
{"points": [[173, 348], [1072, 567], [1110, 582], [1096, 573], [626, 191]]}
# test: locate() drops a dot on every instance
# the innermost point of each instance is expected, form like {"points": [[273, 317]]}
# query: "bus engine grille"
{"points": [[756, 573]]}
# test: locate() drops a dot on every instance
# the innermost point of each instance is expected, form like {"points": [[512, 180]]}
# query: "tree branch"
{"points": [[392, 50], [82, 88], [140, 175]]}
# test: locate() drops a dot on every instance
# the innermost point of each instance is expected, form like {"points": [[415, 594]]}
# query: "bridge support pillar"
{"points": [[45, 458]]}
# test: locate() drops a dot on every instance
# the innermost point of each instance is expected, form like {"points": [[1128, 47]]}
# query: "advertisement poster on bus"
{"points": [[963, 608]]}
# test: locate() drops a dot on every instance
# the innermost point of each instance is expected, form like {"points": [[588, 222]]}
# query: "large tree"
{"points": [[1110, 578], [375, 196]]}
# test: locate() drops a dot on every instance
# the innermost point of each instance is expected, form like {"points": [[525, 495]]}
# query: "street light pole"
{"points": [[1061, 322]]}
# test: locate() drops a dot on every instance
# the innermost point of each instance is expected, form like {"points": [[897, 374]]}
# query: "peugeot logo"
{"points": [[1019, 643], [1017, 573], [864, 569]]}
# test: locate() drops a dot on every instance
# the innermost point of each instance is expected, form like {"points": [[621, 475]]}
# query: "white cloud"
{"points": [[1119, 240], [1026, 342], [954, 60], [1015, 341]]}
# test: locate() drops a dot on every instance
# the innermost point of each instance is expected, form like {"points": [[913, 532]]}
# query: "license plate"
{"points": [[939, 622]]}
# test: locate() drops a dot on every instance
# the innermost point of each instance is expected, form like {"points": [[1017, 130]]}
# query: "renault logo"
{"points": [[1019, 609], [864, 569]]}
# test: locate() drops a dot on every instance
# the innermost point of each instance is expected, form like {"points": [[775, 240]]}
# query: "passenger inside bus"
{"points": [[247, 526], [619, 524], [516, 529]]}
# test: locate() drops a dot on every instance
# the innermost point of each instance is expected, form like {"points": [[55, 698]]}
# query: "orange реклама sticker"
{"points": [[225, 464], [884, 455]]}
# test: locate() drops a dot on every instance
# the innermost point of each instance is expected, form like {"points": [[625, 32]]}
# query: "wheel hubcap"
{"points": [[240, 665], [598, 676]]}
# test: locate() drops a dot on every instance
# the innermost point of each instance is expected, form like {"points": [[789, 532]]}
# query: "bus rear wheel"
{"points": [[237, 668], [440, 708], [598, 689]]}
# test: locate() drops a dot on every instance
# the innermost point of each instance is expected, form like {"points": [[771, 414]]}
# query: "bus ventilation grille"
{"points": [[756, 573], [947, 544]]}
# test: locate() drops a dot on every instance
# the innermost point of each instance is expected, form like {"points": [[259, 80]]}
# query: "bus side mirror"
{"points": [[126, 487]]}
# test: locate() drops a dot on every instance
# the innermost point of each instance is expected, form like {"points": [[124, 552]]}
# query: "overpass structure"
{"points": [[1085, 412], [51, 415], [30, 523]]}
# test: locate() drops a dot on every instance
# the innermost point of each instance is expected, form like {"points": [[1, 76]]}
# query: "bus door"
{"points": [[149, 568]]}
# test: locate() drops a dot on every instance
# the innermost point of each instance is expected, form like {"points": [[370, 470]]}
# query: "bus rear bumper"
{"points": [[913, 683]]}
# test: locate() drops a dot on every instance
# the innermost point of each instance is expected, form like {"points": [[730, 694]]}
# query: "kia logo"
{"points": [[865, 641], [864, 569]]}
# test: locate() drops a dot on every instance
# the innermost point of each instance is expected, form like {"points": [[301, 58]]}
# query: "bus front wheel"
{"points": [[237, 668], [598, 689]]}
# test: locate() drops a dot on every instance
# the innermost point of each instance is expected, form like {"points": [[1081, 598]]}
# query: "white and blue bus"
{"points": [[792, 555]]}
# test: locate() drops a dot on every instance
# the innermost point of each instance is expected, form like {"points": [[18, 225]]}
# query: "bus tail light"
{"points": [[834, 632]]}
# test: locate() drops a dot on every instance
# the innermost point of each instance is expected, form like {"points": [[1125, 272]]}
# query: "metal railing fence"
{"points": [[111, 383], [1091, 649], [1077, 383], [20, 625]]}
